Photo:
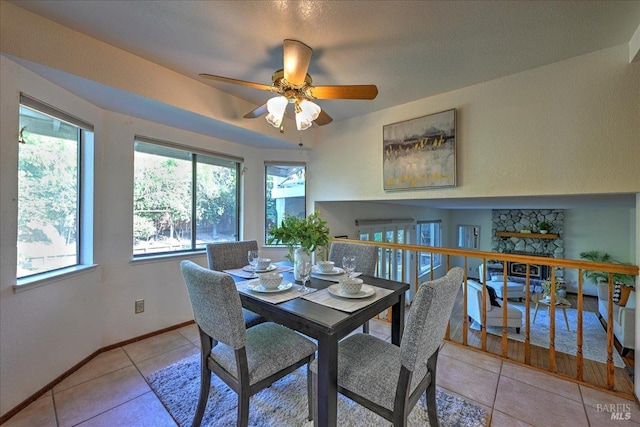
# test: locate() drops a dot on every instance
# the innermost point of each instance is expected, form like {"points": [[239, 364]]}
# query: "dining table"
{"points": [[327, 323]]}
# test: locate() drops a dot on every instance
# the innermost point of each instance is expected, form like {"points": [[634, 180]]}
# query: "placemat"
{"points": [[239, 272], [349, 305], [272, 297]]}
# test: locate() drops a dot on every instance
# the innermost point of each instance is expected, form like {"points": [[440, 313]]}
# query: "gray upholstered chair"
{"points": [[366, 255], [247, 360], [366, 260], [389, 380], [229, 256]]}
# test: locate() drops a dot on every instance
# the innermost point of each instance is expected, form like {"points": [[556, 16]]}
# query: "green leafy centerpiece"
{"points": [[307, 233]]}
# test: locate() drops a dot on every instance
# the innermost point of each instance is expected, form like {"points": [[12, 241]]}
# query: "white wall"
{"points": [[46, 330], [567, 128], [341, 216], [610, 230]]}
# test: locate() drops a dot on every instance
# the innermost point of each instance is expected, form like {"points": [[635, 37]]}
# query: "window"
{"points": [[285, 193], [390, 261], [429, 233], [55, 187], [182, 199], [469, 236]]}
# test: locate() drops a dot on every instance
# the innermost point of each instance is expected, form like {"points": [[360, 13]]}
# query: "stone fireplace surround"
{"points": [[515, 220]]}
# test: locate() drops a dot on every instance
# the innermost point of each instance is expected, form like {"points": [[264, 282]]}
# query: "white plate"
{"points": [[250, 269], [257, 287], [334, 272], [365, 292]]}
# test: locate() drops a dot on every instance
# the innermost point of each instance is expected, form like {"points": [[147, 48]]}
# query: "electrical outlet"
{"points": [[139, 306]]}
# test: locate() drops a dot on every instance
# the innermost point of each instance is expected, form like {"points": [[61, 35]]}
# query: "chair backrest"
{"points": [[366, 255], [428, 318], [229, 255], [474, 299], [216, 304]]}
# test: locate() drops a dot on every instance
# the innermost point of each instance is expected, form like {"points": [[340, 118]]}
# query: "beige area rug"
{"points": [[284, 404], [594, 346]]}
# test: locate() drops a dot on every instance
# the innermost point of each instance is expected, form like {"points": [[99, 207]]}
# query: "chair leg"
{"points": [[432, 406], [310, 394], [243, 409], [517, 330], [314, 398], [205, 386]]}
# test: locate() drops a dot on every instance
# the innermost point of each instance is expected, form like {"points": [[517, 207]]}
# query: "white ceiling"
{"points": [[409, 49]]}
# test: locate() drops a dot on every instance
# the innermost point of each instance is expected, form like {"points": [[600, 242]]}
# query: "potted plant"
{"points": [[306, 234], [601, 276], [545, 227], [561, 288]]}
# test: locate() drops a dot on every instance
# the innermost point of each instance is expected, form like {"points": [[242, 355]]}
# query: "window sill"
{"points": [[427, 271], [165, 257], [44, 279]]}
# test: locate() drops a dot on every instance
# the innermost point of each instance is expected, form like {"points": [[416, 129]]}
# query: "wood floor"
{"points": [[593, 373]]}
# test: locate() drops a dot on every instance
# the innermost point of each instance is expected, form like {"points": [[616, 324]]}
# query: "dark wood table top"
{"points": [[314, 319]]}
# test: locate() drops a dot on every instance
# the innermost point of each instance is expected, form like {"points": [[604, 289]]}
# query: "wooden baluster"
{"points": [[505, 343], [416, 270], [483, 311], [465, 316], [527, 324], [552, 323], [579, 355], [610, 368]]}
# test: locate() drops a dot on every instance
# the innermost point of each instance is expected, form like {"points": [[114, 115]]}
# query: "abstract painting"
{"points": [[420, 153]]}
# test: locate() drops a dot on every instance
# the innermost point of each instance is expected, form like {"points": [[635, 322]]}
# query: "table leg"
{"points": [[566, 321], [397, 320], [327, 394], [535, 313]]}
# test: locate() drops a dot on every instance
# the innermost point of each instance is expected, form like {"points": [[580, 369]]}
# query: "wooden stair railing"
{"points": [[462, 257]]}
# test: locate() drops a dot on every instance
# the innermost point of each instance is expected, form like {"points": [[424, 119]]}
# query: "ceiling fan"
{"points": [[294, 86]]}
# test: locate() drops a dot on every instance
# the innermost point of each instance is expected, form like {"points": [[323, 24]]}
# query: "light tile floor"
{"points": [[111, 390]]}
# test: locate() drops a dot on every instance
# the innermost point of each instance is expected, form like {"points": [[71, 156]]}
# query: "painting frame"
{"points": [[420, 153]]}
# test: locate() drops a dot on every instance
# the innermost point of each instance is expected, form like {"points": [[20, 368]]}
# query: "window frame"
{"points": [[85, 197], [437, 257], [192, 154], [267, 164]]}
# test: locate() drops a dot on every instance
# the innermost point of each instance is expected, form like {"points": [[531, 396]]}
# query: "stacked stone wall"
{"points": [[516, 220]]}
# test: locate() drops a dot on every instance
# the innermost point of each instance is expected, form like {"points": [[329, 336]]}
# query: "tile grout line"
{"points": [[149, 385]]}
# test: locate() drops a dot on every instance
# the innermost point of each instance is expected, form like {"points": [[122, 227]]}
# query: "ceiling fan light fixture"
{"points": [[306, 113], [276, 107]]}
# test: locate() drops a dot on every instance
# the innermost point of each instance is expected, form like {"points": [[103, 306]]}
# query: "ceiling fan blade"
{"points": [[256, 112], [296, 56], [323, 119], [235, 81], [345, 92]]}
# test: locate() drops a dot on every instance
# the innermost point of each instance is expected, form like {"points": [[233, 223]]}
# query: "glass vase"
{"points": [[300, 254]]}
